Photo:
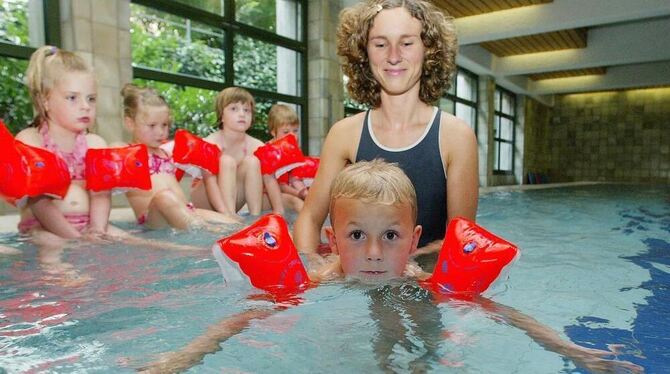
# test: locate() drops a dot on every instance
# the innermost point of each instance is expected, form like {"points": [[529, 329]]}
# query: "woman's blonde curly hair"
{"points": [[438, 35]]}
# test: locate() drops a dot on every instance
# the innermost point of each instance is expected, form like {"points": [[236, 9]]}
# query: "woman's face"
{"points": [[396, 51]]}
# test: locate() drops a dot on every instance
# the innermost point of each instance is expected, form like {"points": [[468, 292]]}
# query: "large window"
{"points": [[461, 99], [503, 131], [191, 49], [24, 25]]}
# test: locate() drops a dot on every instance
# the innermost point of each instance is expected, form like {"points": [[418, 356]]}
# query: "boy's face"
{"points": [[374, 241], [285, 129], [237, 116]]}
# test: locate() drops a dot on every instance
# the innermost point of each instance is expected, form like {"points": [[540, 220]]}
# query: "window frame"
{"points": [[498, 115], [456, 99], [52, 33], [231, 27]]}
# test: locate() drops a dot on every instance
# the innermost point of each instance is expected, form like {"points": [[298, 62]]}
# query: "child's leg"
{"points": [[212, 216], [228, 179], [50, 257], [166, 208], [250, 180], [292, 202], [126, 238], [273, 193], [9, 250]]}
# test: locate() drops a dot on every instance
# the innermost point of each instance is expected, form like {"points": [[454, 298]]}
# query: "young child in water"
{"points": [[374, 232], [282, 121], [239, 181], [63, 91], [147, 117]]}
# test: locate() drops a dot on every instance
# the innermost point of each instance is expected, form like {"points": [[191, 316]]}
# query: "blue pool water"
{"points": [[595, 267]]}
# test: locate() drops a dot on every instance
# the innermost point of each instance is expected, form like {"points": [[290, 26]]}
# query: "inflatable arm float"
{"points": [[118, 169], [263, 255]]}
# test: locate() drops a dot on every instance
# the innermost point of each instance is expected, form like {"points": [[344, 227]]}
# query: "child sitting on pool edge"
{"points": [[374, 232]]}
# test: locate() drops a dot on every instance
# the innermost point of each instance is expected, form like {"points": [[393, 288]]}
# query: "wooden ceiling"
{"points": [[464, 8], [568, 73], [544, 42], [550, 41]]}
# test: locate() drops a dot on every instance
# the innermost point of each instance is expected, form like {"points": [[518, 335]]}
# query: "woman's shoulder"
{"points": [[346, 125], [456, 134], [454, 126]]}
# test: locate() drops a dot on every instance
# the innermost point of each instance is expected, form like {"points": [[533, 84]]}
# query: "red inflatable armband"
{"points": [[280, 156], [118, 169], [262, 254], [470, 260], [307, 171], [192, 154], [29, 171]]}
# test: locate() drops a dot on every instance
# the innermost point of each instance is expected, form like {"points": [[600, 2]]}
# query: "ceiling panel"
{"points": [[550, 41], [464, 8], [568, 73]]}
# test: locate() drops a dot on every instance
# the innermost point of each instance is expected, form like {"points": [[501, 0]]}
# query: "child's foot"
{"points": [[9, 251]]}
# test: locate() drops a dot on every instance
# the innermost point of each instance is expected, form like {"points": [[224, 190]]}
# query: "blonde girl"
{"points": [[147, 117], [63, 91], [239, 181]]}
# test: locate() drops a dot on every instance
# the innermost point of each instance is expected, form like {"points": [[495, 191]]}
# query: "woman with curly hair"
{"points": [[399, 56]]}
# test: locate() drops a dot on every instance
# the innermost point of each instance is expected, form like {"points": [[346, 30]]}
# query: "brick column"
{"points": [[99, 31], [325, 76]]}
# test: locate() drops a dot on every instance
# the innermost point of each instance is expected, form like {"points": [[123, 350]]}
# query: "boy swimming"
{"points": [[373, 234]]}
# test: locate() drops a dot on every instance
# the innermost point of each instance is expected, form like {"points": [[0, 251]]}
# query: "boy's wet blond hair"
{"points": [[374, 182], [281, 115], [135, 98], [47, 65], [233, 95]]}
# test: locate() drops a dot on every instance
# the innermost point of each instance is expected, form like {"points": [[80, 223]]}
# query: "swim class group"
{"points": [[384, 206]]}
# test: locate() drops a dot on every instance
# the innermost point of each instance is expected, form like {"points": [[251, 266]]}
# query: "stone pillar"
{"points": [[519, 131], [99, 31], [325, 76], [485, 115]]}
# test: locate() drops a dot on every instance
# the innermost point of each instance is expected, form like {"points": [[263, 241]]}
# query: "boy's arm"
{"points": [[589, 358], [192, 354]]}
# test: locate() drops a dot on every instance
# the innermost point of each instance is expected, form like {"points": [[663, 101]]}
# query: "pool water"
{"points": [[595, 267]]}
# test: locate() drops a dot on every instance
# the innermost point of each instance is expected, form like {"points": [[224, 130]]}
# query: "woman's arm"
{"points": [[461, 160], [338, 149]]}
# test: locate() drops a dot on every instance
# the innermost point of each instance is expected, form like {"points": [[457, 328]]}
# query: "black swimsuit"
{"points": [[422, 162]]}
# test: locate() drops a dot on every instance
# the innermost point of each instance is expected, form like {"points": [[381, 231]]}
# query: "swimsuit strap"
{"points": [[159, 164], [75, 158]]}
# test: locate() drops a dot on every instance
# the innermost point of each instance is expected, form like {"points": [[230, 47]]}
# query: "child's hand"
{"points": [[303, 193], [413, 270], [432, 247], [96, 236]]}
